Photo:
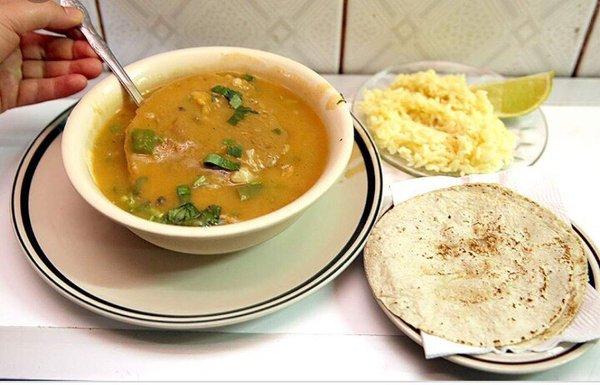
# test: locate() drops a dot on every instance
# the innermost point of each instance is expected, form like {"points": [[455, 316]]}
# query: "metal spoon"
{"points": [[101, 48]]}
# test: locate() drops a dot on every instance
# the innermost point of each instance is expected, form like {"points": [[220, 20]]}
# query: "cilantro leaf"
{"points": [[239, 114], [184, 193], [188, 215], [182, 214], [233, 97], [210, 216]]}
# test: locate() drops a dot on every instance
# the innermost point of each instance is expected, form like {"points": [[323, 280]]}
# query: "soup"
{"points": [[210, 149]]}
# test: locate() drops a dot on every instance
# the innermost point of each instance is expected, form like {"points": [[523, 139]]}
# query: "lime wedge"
{"points": [[518, 96]]}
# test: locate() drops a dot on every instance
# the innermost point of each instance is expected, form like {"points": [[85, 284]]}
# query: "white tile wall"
{"points": [[590, 61], [512, 37], [305, 30]]}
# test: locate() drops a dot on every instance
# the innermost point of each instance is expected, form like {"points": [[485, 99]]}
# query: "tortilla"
{"points": [[578, 291], [477, 264]]}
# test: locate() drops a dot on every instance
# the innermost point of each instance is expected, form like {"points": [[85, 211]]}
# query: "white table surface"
{"points": [[336, 334]]}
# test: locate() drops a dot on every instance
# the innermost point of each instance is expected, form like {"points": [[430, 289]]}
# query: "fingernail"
{"points": [[74, 14]]}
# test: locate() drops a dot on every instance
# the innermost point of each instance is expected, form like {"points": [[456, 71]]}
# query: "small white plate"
{"points": [[107, 269], [531, 130], [518, 363]]}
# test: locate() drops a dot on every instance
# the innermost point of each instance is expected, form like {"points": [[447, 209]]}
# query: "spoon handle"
{"points": [[101, 48]]}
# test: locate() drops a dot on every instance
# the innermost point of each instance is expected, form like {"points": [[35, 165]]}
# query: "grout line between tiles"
{"points": [[586, 39], [343, 36], [100, 19]]}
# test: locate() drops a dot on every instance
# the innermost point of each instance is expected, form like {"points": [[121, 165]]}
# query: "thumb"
{"points": [[26, 16]]}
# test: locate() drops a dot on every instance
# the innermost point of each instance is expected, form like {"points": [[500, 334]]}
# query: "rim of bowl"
{"points": [[92, 195]]}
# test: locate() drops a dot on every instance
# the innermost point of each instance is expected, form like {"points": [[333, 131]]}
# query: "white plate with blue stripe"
{"points": [[102, 266]]}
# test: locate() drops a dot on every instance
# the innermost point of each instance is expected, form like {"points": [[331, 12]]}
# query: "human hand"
{"points": [[36, 67]]}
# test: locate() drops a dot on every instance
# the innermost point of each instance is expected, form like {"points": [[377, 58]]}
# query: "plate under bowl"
{"points": [[102, 266]]}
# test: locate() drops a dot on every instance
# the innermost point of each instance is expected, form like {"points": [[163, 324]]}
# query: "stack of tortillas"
{"points": [[478, 264]]}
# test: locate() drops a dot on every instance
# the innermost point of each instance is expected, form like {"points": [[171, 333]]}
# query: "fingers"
{"points": [[89, 67], [37, 46], [9, 81], [27, 16], [39, 90], [73, 33]]}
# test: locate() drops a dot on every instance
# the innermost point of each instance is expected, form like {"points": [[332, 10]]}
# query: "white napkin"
{"points": [[538, 186]]}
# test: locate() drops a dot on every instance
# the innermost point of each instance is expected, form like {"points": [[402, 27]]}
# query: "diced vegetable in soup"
{"points": [[210, 149]]}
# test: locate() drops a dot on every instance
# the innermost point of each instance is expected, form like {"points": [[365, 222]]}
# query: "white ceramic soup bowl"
{"points": [[103, 101]]}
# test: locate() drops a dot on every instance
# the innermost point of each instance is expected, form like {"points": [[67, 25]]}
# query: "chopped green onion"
{"points": [[144, 140], [157, 218], [233, 97], [134, 205], [235, 101], [235, 151], [146, 209], [184, 193], [221, 162], [232, 148], [248, 77], [249, 190], [277, 131], [200, 181], [139, 182], [239, 114]]}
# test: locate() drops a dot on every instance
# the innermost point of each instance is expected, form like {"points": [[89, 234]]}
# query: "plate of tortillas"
{"points": [[482, 267]]}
